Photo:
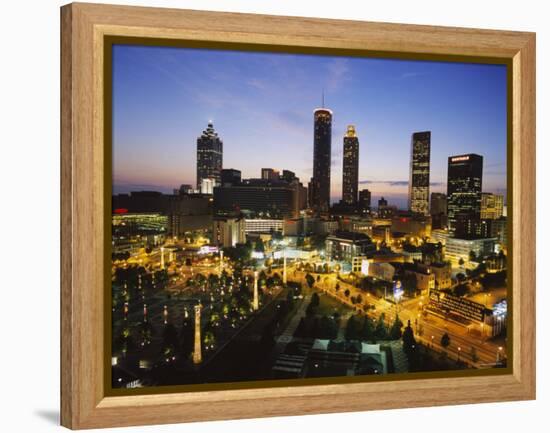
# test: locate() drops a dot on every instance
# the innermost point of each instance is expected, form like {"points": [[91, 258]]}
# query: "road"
{"points": [[428, 329]]}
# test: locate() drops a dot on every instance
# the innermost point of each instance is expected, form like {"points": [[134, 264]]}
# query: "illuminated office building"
{"points": [[464, 177], [209, 156], [320, 183], [491, 206], [350, 172], [419, 179]]}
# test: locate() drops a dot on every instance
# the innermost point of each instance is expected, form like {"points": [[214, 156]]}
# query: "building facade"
{"points": [[419, 179], [438, 210], [261, 225], [364, 200], [230, 176], [344, 246], [459, 249], [350, 172], [464, 180], [228, 232], [320, 182], [492, 206], [257, 197], [209, 156]]}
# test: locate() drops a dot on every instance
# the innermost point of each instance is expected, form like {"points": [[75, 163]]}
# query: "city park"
{"points": [[194, 315]]}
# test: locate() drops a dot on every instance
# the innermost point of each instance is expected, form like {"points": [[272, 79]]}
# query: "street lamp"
{"points": [[458, 358]]}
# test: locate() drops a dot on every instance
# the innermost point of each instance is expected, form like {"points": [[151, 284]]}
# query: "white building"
{"points": [[207, 186], [229, 232], [261, 225], [456, 249]]}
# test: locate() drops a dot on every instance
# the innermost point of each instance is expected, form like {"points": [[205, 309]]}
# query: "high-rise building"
{"points": [[322, 133], [230, 176], [491, 206], [364, 199], [464, 177], [350, 173], [419, 179], [209, 156], [438, 203], [438, 210]]}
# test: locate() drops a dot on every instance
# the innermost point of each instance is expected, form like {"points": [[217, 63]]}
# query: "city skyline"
{"points": [[262, 134]]}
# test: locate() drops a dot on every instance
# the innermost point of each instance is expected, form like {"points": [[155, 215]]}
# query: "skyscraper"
{"points": [[364, 199], [209, 156], [464, 176], [320, 194], [350, 173], [419, 179], [438, 210]]}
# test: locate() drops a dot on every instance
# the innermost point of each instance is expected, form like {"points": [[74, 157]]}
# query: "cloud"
{"points": [[338, 73], [394, 182], [257, 84], [407, 75]]}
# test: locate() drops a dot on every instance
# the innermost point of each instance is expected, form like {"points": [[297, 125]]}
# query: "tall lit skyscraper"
{"points": [[419, 178], [209, 156], [320, 194], [464, 176], [350, 173]]}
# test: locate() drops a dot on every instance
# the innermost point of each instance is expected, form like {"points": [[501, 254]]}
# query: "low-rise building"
{"points": [[344, 245], [442, 273], [228, 232], [459, 249], [412, 225]]}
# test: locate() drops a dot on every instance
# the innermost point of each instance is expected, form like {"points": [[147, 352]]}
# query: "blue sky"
{"points": [[262, 107]]}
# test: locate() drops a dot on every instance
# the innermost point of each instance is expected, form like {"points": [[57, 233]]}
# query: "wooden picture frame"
{"points": [[84, 403]]}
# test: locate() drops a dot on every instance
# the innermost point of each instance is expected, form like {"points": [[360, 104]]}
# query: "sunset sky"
{"points": [[262, 107]]}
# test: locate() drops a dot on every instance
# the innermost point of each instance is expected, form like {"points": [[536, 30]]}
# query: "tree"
{"points": [[170, 341], [337, 287], [367, 333], [315, 300], [310, 280], [353, 331], [347, 293], [327, 328], [381, 331], [259, 246], [472, 256], [395, 330], [461, 261], [461, 289], [409, 342], [445, 341]]}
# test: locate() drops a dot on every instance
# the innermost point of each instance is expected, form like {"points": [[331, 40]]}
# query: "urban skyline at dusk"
{"points": [[262, 107], [284, 216]]}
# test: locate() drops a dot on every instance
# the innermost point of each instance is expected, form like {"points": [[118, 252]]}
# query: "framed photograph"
{"points": [[265, 215]]}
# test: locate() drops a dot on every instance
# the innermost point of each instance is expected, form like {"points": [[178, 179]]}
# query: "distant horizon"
{"points": [[262, 107]]}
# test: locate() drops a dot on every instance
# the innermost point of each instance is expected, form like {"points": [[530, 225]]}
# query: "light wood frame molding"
{"points": [[83, 400]]}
